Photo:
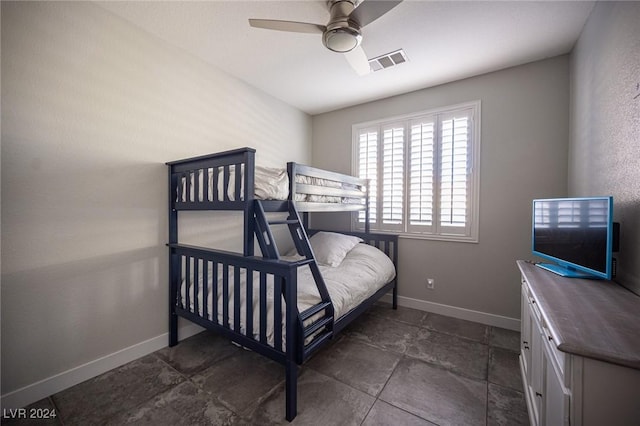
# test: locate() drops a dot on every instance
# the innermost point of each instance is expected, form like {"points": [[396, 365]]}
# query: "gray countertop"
{"points": [[592, 318]]}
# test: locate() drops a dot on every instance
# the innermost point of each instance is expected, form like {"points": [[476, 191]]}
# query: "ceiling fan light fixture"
{"points": [[342, 39], [342, 32]]}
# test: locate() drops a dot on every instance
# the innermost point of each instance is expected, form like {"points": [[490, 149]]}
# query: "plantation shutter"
{"points": [[421, 175], [393, 176], [423, 172], [368, 169], [455, 143]]}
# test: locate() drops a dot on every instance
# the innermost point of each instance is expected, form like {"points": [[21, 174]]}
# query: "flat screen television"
{"points": [[576, 235]]}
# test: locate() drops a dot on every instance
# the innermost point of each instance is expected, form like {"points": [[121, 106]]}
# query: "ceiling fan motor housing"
{"points": [[342, 34]]}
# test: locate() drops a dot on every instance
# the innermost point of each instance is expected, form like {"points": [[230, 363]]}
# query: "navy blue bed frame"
{"points": [[194, 262]]}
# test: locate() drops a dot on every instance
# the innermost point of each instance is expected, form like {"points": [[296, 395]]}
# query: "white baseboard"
{"points": [[44, 388], [456, 312]]}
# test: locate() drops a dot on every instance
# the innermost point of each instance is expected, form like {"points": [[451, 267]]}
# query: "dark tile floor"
{"points": [[403, 367]]}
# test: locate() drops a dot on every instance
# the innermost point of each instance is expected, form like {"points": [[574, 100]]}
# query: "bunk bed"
{"points": [[283, 307]]}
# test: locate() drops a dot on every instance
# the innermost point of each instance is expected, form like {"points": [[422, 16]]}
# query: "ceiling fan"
{"points": [[343, 32]]}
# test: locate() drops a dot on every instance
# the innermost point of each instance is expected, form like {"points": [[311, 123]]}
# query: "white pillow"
{"points": [[330, 248]]}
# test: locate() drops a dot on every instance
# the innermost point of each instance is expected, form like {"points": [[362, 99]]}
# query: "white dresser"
{"points": [[580, 350]]}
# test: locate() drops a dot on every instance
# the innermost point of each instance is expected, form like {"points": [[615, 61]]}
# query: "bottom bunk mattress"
{"points": [[352, 271]]}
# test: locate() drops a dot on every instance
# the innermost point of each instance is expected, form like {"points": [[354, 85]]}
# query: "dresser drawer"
{"points": [[533, 305]]}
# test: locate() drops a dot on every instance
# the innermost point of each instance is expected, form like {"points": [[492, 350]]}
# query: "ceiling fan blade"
{"points": [[290, 26], [370, 10], [358, 61]]}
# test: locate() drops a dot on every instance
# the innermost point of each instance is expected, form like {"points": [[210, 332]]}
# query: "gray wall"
{"points": [[525, 131], [604, 151], [92, 108]]}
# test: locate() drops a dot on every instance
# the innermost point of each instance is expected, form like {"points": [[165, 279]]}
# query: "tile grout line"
{"points": [[486, 406], [486, 342], [377, 397], [57, 410], [155, 395]]}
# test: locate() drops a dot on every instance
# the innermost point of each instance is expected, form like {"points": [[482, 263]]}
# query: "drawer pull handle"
{"points": [[539, 394], [550, 338], [526, 347], [524, 342]]}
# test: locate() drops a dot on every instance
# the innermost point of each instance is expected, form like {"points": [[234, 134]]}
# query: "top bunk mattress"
{"points": [[227, 180], [269, 184]]}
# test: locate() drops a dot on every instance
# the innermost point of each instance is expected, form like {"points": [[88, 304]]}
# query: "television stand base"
{"points": [[565, 271]]}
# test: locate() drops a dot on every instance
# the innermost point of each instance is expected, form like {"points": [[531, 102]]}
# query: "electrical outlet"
{"points": [[431, 283]]}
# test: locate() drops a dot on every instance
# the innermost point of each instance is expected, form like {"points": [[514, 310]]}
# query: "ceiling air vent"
{"points": [[388, 60]]}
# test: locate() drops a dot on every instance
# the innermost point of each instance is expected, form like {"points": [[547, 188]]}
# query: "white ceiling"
{"points": [[444, 41]]}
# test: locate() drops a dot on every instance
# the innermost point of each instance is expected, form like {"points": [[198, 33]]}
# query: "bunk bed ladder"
{"points": [[315, 332]]}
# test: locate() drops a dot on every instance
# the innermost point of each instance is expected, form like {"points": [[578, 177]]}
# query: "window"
{"points": [[423, 171]]}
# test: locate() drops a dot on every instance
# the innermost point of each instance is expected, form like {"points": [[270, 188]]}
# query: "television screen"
{"points": [[576, 234]]}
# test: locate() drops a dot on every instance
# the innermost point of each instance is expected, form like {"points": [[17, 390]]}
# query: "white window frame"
{"points": [[435, 231]]}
